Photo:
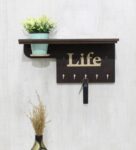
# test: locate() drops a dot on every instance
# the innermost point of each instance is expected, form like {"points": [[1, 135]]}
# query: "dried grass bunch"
{"points": [[38, 117]]}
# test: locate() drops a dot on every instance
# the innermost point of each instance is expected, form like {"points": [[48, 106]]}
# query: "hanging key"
{"points": [[85, 90]]}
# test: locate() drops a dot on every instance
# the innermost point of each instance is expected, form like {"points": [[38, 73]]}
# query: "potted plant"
{"points": [[39, 28]]}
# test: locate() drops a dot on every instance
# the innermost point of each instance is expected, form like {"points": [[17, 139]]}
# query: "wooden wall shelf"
{"points": [[79, 60], [56, 45], [68, 41], [82, 52]]}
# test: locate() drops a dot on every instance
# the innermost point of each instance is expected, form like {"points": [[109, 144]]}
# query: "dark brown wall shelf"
{"points": [[68, 41], [86, 49], [79, 60], [56, 45]]}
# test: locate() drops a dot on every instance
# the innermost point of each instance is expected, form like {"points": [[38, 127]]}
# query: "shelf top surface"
{"points": [[68, 41]]}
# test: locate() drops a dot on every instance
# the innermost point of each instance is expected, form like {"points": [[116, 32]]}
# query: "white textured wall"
{"points": [[108, 122]]}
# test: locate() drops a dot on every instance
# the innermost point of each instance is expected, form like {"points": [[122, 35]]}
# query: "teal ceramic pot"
{"points": [[39, 49]]}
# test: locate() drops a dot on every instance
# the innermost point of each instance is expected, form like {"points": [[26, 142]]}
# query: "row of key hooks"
{"points": [[85, 76]]}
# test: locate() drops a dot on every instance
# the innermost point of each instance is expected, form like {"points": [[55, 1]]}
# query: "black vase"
{"points": [[39, 145]]}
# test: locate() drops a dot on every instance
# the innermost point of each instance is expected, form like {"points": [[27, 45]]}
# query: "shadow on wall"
{"points": [[38, 62]]}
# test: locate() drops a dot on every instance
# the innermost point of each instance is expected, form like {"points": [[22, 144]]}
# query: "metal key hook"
{"points": [[107, 76], [74, 76], [96, 76], [85, 76], [63, 76]]}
